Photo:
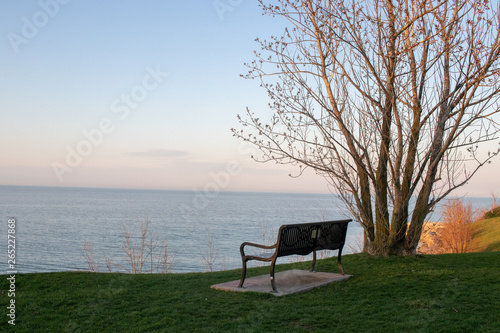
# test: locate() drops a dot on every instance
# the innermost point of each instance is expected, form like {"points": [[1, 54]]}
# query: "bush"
{"points": [[457, 228], [495, 212]]}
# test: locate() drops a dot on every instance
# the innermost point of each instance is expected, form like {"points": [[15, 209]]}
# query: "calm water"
{"points": [[52, 223]]}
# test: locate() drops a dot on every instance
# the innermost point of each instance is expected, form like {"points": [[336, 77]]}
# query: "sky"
{"points": [[130, 94]]}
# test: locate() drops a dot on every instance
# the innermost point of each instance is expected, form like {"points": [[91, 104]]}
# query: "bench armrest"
{"points": [[268, 247]]}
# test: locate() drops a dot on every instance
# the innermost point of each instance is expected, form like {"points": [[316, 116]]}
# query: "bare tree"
{"points": [[390, 101]]}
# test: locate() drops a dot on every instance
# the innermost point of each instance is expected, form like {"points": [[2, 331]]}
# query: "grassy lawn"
{"points": [[487, 233], [441, 293]]}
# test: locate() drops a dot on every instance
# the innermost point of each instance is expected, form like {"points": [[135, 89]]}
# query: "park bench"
{"points": [[299, 239]]}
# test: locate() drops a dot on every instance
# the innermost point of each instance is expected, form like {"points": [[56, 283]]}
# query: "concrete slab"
{"points": [[288, 282]]}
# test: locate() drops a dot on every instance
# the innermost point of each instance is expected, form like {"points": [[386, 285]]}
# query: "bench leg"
{"points": [[243, 273], [273, 283], [340, 262], [314, 262], [340, 268]]}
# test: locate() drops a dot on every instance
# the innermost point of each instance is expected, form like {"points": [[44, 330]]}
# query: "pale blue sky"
{"points": [[68, 66]]}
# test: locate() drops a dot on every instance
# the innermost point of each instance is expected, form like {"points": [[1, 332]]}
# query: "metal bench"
{"points": [[299, 239]]}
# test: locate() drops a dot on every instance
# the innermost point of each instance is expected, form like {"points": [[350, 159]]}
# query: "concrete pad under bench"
{"points": [[287, 282]]}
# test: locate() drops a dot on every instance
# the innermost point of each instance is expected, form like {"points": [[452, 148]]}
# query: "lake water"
{"points": [[53, 223]]}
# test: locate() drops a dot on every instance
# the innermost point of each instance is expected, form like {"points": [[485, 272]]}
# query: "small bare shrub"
{"points": [[224, 264], [139, 252], [323, 254], [135, 248], [267, 234], [357, 247], [208, 259], [145, 248], [457, 230], [268, 238], [88, 253], [494, 203], [165, 260], [109, 263], [494, 211], [296, 258]]}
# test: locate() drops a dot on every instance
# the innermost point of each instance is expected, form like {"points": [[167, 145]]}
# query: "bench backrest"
{"points": [[305, 238]]}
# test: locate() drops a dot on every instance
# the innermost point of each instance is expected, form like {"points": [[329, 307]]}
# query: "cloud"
{"points": [[161, 153]]}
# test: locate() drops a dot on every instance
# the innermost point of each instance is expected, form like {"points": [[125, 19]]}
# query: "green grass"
{"points": [[487, 232], [436, 293]]}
